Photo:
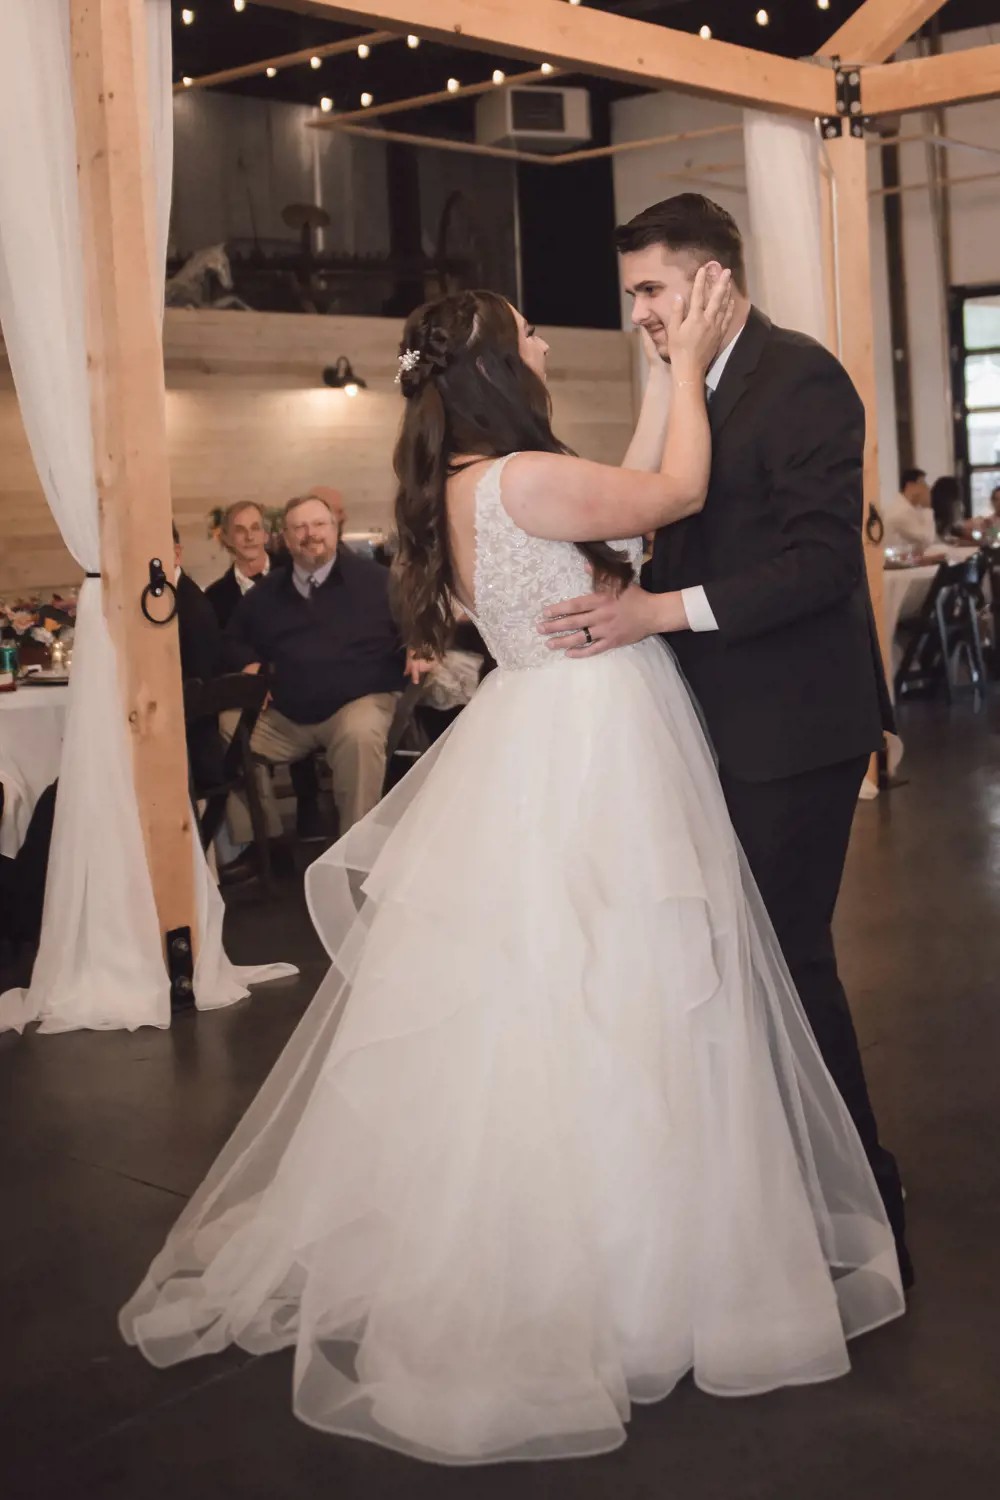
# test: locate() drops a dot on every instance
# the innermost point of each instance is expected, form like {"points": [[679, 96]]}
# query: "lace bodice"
{"points": [[517, 575]]}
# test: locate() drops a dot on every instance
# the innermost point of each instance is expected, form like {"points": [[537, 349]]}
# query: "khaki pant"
{"points": [[353, 741]]}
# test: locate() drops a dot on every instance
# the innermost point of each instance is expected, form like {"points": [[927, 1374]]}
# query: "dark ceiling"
{"points": [[220, 37]]}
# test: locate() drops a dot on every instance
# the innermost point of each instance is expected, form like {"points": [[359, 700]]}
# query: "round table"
{"points": [[32, 722]]}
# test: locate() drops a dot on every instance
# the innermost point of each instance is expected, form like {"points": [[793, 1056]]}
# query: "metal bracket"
{"points": [[158, 585], [849, 111], [180, 968]]}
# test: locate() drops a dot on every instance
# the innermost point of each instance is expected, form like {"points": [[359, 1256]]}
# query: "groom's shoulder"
{"points": [[801, 357]]}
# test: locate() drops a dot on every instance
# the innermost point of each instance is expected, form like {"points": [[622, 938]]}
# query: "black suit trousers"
{"points": [[795, 833]]}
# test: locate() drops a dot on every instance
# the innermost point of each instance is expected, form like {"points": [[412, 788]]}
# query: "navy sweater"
{"points": [[325, 651]]}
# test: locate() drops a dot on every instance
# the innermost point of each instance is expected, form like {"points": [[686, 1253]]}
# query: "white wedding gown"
{"points": [[554, 1130]]}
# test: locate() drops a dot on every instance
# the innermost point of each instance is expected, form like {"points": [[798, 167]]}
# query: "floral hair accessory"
{"points": [[408, 360]]}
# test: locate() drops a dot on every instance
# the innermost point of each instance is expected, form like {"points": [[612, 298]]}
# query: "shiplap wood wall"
{"points": [[249, 419]]}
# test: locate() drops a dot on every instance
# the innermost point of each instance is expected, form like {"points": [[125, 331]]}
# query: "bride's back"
{"points": [[505, 576]]}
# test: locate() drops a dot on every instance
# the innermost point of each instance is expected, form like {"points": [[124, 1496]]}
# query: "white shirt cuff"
{"points": [[698, 609]]}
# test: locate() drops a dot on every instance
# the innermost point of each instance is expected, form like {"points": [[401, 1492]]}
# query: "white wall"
{"points": [[643, 177]]}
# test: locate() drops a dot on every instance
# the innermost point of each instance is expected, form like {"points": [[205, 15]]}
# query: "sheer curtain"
{"points": [[783, 181], [100, 961]]}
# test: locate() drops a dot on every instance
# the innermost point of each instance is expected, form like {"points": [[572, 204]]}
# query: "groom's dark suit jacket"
{"points": [[792, 680]]}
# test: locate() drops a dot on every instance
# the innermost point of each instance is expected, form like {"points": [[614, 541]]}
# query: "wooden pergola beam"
{"points": [[535, 158], [875, 31], [122, 278], [287, 60], [592, 41], [930, 82]]}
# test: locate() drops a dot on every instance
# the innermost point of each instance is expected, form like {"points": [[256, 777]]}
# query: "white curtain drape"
{"points": [[100, 961], [783, 182]]}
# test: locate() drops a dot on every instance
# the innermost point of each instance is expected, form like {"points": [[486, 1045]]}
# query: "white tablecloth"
{"points": [[903, 592], [32, 721]]}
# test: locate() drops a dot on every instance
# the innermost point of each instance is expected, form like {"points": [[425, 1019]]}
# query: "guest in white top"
{"points": [[908, 517]]}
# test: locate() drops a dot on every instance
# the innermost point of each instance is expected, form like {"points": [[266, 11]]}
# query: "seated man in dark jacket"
{"points": [[201, 658], [324, 631], [245, 536]]}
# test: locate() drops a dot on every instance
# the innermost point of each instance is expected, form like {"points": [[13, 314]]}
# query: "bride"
{"points": [[554, 1131]]}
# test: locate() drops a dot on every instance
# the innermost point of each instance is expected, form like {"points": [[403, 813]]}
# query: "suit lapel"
{"points": [[739, 368]]}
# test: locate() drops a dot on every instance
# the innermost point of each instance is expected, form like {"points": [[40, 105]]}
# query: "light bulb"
{"points": [[364, 50], [187, 82], [453, 85], [547, 68], [823, 4], [326, 104], [498, 75], [412, 41], [574, 2], [271, 72], [239, 5], [706, 33], [187, 16], [367, 101], [762, 18], [350, 389], [315, 62]]}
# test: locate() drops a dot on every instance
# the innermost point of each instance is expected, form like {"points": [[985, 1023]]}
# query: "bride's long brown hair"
{"points": [[467, 391]]}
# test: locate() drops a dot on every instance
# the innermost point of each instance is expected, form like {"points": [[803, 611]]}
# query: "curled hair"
{"points": [[688, 222], [467, 392]]}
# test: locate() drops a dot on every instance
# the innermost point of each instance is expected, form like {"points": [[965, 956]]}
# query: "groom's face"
{"points": [[653, 278]]}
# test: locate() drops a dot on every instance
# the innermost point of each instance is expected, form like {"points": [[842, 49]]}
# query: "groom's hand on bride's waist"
{"points": [[603, 621]]}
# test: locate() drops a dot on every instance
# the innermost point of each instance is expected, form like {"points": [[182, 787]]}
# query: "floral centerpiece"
{"points": [[38, 623]]}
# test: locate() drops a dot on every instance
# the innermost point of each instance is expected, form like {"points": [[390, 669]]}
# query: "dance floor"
{"points": [[103, 1136]]}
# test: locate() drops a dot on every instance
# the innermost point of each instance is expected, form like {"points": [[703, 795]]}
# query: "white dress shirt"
{"points": [[303, 580], [696, 606], [245, 584], [908, 525]]}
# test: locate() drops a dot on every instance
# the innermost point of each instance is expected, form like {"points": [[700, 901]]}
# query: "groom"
{"points": [[763, 596]]}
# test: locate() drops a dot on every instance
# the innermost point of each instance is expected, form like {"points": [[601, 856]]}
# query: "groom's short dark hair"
{"points": [[688, 222]]}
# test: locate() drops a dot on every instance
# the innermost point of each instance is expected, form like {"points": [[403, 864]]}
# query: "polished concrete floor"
{"points": [[103, 1136]]}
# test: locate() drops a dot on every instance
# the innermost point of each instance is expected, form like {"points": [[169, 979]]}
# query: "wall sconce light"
{"points": [[341, 377]]}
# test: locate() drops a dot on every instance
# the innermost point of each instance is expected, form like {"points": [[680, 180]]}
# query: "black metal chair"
{"points": [[233, 768], [944, 634]]}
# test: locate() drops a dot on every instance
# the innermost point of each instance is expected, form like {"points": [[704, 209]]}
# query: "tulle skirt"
{"points": [[554, 1131]]}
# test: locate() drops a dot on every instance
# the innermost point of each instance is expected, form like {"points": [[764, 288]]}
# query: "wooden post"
{"points": [[848, 159], [125, 357]]}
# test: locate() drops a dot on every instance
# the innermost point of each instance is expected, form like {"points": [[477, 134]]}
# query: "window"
{"points": [[975, 361]]}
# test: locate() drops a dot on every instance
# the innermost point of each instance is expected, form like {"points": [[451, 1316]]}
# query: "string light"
{"points": [[187, 82], [412, 41], [762, 18], [547, 68], [367, 101], [706, 33], [364, 50], [574, 2], [326, 104], [823, 4], [453, 85], [240, 5], [315, 62], [498, 75], [271, 72], [187, 16]]}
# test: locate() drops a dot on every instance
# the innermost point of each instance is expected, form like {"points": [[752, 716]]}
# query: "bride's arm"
{"points": [[573, 500], [645, 451]]}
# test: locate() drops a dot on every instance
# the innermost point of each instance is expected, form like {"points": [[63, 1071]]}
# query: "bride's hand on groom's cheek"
{"points": [[601, 622]]}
